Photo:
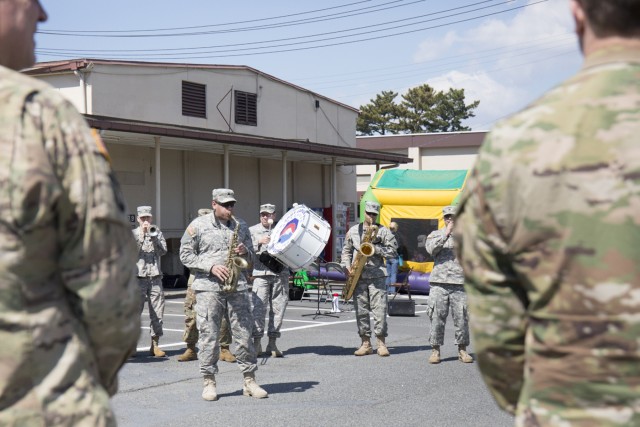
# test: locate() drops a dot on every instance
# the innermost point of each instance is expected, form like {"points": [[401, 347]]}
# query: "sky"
{"points": [[504, 53]]}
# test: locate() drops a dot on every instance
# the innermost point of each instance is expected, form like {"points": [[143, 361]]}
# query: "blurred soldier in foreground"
{"points": [[270, 284], [446, 291], [68, 299], [549, 237], [151, 246], [370, 295], [213, 247], [190, 335]]}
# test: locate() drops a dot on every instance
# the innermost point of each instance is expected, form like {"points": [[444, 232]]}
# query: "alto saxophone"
{"points": [[366, 250], [234, 263]]}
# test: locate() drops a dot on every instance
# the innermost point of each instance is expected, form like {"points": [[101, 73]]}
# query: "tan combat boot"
{"points": [[209, 390], [189, 354], [155, 350], [365, 347], [435, 355], [382, 351], [226, 355], [251, 388], [271, 348], [257, 345], [463, 356]]}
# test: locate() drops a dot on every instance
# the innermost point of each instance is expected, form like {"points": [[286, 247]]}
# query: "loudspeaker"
{"points": [[402, 307]]}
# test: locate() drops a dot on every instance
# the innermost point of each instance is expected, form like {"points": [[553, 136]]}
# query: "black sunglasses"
{"points": [[448, 217], [227, 205]]}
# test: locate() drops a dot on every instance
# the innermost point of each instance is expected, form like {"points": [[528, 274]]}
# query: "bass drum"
{"points": [[299, 237]]}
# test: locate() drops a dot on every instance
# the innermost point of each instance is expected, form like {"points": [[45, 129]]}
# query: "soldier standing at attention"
{"points": [[270, 284], [151, 246], [190, 335], [549, 237], [446, 291], [370, 294], [207, 248], [68, 298]]}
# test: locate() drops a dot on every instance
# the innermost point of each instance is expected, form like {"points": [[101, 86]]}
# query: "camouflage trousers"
{"points": [[210, 309], [190, 335], [442, 297], [151, 290], [272, 292], [370, 296]]}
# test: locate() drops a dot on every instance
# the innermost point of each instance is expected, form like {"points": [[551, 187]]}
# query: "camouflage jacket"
{"points": [[68, 298], [205, 243], [446, 268], [150, 249], [549, 238], [385, 247]]}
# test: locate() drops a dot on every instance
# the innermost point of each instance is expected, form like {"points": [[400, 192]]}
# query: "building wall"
{"points": [[155, 94]]}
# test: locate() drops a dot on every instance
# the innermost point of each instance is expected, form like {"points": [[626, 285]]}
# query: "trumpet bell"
{"points": [[153, 231]]}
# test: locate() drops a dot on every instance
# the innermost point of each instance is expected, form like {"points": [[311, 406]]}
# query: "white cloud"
{"points": [[496, 99], [509, 61]]}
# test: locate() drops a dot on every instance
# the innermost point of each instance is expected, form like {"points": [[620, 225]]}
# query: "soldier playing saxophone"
{"points": [[205, 249], [370, 294]]}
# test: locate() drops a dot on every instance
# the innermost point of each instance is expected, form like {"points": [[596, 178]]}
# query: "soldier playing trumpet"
{"points": [[370, 294], [151, 246]]}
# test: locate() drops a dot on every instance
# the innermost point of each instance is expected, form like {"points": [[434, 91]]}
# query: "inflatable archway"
{"points": [[414, 200]]}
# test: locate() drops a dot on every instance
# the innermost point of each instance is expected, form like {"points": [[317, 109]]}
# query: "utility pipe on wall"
{"points": [[157, 176]]}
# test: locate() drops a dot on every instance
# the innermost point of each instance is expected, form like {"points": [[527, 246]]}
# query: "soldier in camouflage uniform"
{"points": [[549, 237], [370, 294], [68, 297], [190, 335], [270, 288], [205, 250], [151, 246], [446, 291]]}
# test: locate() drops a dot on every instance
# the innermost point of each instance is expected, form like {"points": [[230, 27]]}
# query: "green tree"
{"points": [[425, 110], [422, 110], [380, 116]]}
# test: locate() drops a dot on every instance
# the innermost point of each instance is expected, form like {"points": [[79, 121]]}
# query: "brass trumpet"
{"points": [[153, 230]]}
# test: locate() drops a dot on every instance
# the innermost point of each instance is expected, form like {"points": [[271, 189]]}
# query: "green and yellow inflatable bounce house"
{"points": [[414, 200]]}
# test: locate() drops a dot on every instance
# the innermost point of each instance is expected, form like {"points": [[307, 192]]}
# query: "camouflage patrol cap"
{"points": [[144, 211], [372, 207], [449, 210], [203, 212], [267, 207], [223, 195]]}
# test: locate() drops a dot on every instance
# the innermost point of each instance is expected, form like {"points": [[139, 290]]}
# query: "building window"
{"points": [[194, 99], [246, 108]]}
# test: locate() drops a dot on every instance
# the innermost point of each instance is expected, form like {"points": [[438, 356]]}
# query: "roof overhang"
{"points": [[176, 137]]}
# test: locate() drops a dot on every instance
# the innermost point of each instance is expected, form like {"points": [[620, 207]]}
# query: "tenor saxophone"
{"points": [[234, 263], [366, 250]]}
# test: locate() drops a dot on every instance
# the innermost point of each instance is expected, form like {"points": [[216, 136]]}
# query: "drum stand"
{"points": [[321, 283]]}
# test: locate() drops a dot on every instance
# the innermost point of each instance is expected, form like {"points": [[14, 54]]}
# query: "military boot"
{"points": [[189, 354], [382, 350], [365, 347], [463, 356], [251, 388], [435, 355], [271, 348], [226, 355], [155, 350], [257, 345], [209, 390]]}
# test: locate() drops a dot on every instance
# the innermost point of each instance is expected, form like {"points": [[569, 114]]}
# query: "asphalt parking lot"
{"points": [[318, 383]]}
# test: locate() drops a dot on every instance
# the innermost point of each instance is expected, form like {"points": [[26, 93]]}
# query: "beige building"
{"points": [[175, 131], [427, 151]]}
